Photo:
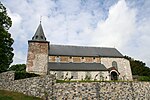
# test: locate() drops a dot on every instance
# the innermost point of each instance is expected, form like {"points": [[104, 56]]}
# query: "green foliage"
{"points": [[7, 95], [138, 67], [6, 41], [144, 78], [89, 81], [20, 71], [18, 67], [22, 75], [68, 81]]}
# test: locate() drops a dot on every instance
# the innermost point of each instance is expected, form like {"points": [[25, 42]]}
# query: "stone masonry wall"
{"points": [[102, 91], [37, 58], [35, 86], [7, 76], [123, 67], [46, 87], [74, 59]]}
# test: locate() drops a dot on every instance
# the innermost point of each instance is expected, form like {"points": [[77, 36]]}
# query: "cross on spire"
{"points": [[40, 19]]}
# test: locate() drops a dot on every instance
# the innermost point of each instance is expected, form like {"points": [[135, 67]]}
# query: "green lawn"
{"points": [[7, 95]]}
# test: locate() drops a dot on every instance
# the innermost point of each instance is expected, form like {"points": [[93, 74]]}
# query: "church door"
{"points": [[114, 76]]}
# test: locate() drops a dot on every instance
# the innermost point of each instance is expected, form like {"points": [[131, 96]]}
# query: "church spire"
{"points": [[39, 34]]}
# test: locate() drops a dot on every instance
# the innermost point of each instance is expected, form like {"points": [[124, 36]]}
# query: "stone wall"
{"points": [[46, 87], [37, 59], [123, 67], [102, 91], [36, 86], [7, 76], [74, 59]]}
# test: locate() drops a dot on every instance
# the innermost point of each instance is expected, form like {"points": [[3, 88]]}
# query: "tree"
{"points": [[6, 41], [18, 67], [138, 67]]}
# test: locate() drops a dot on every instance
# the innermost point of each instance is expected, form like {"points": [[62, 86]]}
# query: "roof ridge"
{"points": [[81, 46]]}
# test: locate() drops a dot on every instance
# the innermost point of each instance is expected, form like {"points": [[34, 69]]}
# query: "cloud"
{"points": [[108, 23], [16, 19], [126, 28], [143, 41], [118, 28], [19, 57]]}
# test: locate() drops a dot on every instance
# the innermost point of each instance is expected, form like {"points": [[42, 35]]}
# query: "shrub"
{"points": [[144, 78], [18, 67], [22, 75]]}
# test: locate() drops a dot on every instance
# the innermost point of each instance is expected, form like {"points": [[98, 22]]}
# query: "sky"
{"points": [[123, 24]]}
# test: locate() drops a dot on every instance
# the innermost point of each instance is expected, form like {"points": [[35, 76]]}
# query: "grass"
{"points": [[7, 95], [69, 81]]}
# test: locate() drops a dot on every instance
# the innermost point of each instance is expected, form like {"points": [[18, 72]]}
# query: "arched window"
{"points": [[41, 37], [36, 37], [114, 64], [114, 75], [57, 59], [87, 75], [74, 75], [70, 59], [94, 61], [101, 75], [82, 59]]}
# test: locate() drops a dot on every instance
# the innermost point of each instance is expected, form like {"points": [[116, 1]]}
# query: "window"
{"points": [[114, 64], [36, 37], [87, 75], [82, 60], [94, 60], [70, 59], [114, 76], [74, 75], [101, 76], [41, 37], [57, 59]]}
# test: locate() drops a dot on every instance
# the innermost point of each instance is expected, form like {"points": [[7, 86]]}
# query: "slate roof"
{"points": [[64, 50], [53, 66], [39, 34]]}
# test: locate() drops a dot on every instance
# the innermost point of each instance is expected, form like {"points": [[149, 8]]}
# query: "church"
{"points": [[69, 62]]}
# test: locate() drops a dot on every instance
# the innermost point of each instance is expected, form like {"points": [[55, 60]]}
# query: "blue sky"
{"points": [[123, 24]]}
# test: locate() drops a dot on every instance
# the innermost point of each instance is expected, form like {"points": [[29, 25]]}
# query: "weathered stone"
{"points": [[37, 59], [123, 67], [46, 87]]}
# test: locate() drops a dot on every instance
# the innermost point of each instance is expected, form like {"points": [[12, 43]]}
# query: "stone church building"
{"points": [[75, 62]]}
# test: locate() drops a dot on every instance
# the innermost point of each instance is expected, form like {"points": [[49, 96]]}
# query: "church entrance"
{"points": [[114, 76]]}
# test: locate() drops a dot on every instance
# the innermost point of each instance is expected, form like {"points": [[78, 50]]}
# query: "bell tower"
{"points": [[37, 59]]}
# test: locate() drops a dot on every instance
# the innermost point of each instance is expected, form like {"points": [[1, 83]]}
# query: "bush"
{"points": [[144, 78], [18, 67], [22, 75]]}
